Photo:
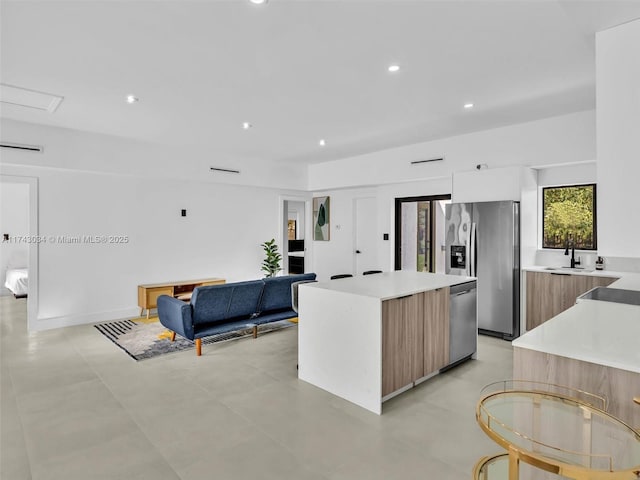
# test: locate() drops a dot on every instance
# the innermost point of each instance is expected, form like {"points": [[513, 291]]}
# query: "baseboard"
{"points": [[84, 319]]}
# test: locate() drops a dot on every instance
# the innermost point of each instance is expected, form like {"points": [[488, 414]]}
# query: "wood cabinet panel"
{"points": [[415, 338], [602, 281], [154, 293], [618, 386], [436, 330], [549, 294], [401, 342]]}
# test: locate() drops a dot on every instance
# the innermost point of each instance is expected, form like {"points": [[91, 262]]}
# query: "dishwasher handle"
{"points": [[463, 288], [464, 292]]}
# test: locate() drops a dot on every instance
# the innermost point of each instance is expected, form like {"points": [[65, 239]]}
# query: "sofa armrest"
{"points": [[175, 315]]}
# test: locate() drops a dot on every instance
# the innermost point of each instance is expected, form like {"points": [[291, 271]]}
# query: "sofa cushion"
{"points": [[206, 329], [276, 295], [244, 299], [275, 316], [210, 303], [222, 303]]}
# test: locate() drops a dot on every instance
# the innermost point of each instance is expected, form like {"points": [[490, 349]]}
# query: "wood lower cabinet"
{"points": [[415, 338], [436, 330], [549, 294], [402, 329], [618, 386]]}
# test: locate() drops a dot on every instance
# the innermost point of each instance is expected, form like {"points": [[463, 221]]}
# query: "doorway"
{"points": [[295, 253], [295, 237], [25, 239], [419, 233]]}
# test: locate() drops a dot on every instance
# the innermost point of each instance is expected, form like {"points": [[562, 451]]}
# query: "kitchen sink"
{"points": [[616, 295], [569, 269]]}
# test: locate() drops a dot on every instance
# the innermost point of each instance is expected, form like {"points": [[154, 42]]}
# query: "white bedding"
{"points": [[17, 281]]}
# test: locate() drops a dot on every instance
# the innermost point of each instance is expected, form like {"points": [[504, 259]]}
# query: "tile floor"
{"points": [[74, 406]]}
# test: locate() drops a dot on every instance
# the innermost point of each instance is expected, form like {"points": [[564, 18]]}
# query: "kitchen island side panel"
{"points": [[340, 344], [618, 386]]}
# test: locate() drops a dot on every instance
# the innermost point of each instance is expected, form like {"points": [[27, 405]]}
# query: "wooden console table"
{"points": [[148, 294]]}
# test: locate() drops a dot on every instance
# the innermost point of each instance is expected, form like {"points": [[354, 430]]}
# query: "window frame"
{"points": [[595, 215]]}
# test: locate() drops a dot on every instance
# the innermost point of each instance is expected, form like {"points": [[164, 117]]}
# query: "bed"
{"points": [[17, 281]]}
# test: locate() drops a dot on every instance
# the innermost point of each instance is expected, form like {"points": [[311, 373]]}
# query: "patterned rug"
{"points": [[142, 339]]}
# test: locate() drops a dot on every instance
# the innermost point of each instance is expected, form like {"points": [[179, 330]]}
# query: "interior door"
{"points": [[365, 254]]}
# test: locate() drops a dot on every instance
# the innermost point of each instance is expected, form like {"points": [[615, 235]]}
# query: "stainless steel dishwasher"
{"points": [[463, 321]]}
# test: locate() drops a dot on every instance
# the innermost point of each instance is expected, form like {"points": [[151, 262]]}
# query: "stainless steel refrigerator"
{"points": [[483, 241]]}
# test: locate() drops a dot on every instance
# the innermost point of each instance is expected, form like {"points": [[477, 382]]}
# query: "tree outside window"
{"points": [[569, 217]]}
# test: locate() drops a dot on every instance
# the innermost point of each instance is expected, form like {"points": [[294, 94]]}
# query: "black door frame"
{"points": [[398, 224]]}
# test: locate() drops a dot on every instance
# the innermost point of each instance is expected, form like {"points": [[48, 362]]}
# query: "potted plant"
{"points": [[271, 262]]}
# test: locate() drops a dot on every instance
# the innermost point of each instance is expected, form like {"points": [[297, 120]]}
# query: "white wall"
{"points": [[337, 255], [91, 152], [557, 140], [95, 184], [565, 139], [14, 220], [386, 195], [551, 177], [576, 174], [618, 127], [85, 283], [488, 185]]}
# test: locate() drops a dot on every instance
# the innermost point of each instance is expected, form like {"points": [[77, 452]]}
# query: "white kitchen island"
{"points": [[369, 338]]}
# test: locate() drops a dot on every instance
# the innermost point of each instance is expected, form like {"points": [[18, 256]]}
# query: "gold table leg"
{"points": [[514, 465]]}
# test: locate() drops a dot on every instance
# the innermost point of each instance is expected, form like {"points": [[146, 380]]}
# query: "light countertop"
{"points": [[387, 285], [593, 331], [625, 280]]}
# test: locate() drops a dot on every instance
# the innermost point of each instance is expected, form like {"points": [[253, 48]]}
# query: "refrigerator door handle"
{"points": [[472, 252]]}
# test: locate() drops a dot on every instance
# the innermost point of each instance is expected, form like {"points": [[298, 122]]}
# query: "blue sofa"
{"points": [[232, 306]]}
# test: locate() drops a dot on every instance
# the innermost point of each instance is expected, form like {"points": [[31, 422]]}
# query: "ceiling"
{"points": [[300, 71]]}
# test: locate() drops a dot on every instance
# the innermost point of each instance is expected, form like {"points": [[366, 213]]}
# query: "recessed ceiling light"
{"points": [[468, 105], [322, 142], [258, 2], [132, 99], [393, 68], [246, 125]]}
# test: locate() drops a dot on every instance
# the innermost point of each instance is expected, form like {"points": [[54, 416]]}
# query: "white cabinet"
{"points": [[618, 142]]}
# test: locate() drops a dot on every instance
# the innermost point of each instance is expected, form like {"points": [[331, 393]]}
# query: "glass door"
{"points": [[420, 233]]}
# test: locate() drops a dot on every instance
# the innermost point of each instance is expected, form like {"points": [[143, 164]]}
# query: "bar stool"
{"points": [[371, 272]]}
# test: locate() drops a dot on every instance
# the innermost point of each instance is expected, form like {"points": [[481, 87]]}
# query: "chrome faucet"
{"points": [[570, 243]]}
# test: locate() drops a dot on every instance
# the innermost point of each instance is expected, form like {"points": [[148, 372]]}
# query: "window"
{"points": [[569, 217]]}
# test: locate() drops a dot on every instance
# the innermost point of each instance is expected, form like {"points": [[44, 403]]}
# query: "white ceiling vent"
{"points": [[33, 99], [418, 162], [24, 148]]}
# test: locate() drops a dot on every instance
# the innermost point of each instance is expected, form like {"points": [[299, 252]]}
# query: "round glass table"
{"points": [[556, 429]]}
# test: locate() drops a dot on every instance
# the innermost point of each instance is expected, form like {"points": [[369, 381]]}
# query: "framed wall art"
{"points": [[321, 217]]}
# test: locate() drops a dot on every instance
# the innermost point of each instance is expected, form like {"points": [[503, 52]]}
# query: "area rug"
{"points": [[142, 339]]}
